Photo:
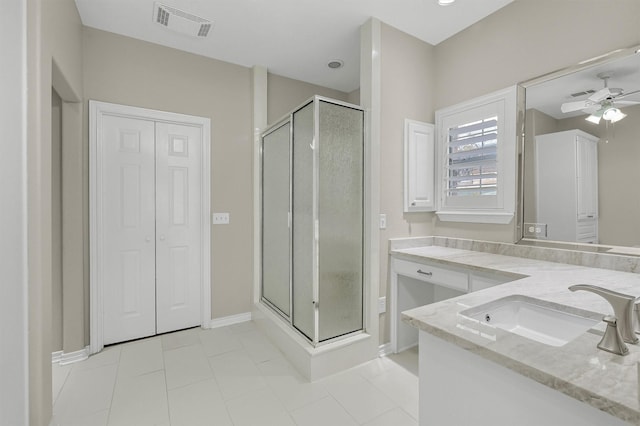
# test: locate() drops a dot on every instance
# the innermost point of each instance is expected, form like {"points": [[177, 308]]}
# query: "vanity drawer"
{"points": [[432, 274], [586, 231]]}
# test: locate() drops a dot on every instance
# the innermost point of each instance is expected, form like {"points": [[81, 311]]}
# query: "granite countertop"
{"points": [[604, 380]]}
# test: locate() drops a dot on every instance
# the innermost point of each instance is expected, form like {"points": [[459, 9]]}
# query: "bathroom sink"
{"points": [[545, 322]]}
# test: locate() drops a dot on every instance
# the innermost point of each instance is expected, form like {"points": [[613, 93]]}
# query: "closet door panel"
{"points": [[178, 226], [129, 241]]}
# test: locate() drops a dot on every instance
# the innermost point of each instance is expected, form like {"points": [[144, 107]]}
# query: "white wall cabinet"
{"points": [[419, 153], [567, 185]]}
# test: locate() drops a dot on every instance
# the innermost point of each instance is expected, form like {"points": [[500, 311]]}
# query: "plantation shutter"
{"points": [[472, 159]]}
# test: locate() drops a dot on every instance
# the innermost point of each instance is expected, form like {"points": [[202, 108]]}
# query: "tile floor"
{"points": [[227, 376]]}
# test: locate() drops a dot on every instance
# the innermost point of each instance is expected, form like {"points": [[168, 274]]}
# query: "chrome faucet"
{"points": [[623, 307]]}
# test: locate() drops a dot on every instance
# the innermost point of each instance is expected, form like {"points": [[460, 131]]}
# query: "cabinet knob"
{"points": [[148, 239], [162, 238]]}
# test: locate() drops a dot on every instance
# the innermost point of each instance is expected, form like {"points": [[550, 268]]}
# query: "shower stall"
{"points": [[312, 199]]}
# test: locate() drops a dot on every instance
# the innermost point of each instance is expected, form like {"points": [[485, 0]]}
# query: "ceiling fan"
{"points": [[601, 103]]}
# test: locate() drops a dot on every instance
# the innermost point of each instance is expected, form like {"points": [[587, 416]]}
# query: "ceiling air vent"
{"points": [[180, 21], [584, 92]]}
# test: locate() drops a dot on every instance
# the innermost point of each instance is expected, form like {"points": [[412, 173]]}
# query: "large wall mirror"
{"points": [[581, 174]]}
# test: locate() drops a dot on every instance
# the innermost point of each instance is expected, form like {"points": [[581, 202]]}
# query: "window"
{"points": [[473, 153], [476, 143]]}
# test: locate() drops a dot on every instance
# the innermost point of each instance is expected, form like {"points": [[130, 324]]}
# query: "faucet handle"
{"points": [[612, 340]]}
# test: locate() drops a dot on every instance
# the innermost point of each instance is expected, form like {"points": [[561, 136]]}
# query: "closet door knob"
{"points": [[148, 239], [162, 238]]}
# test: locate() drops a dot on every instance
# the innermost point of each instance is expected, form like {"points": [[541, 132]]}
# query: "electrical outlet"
{"points": [[383, 221], [382, 305], [535, 230], [220, 218]]}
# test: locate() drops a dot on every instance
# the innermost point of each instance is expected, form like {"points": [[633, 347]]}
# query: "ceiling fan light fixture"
{"points": [[593, 119], [445, 2], [613, 114]]}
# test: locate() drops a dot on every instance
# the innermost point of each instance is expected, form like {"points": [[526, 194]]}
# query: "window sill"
{"points": [[501, 218]]}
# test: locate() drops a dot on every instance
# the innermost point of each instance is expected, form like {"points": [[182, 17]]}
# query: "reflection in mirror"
{"points": [[582, 155]]}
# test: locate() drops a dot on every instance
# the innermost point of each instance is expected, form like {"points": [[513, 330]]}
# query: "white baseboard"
{"points": [[63, 359], [384, 350], [230, 320]]}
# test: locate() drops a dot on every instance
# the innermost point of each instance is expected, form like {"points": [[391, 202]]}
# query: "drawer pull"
{"points": [[420, 271]]}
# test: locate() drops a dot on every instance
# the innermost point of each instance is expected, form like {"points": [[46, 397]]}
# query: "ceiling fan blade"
{"points": [[617, 102], [575, 106], [624, 95], [592, 109], [600, 95]]}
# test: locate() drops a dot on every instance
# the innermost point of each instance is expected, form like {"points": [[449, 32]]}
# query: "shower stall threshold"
{"points": [[314, 363]]}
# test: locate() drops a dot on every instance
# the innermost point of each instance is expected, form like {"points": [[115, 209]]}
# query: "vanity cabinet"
{"points": [[567, 185], [415, 284], [419, 152]]}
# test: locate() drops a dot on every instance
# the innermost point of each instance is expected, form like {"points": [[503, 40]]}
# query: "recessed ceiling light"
{"points": [[445, 2], [335, 64]]}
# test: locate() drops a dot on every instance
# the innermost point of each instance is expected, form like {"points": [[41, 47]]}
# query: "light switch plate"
{"points": [[382, 305], [220, 218], [383, 221]]}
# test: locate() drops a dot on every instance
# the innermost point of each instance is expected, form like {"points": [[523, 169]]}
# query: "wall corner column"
{"points": [[260, 121], [370, 43]]}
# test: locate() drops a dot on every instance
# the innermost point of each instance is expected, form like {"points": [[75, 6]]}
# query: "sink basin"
{"points": [[545, 322]]}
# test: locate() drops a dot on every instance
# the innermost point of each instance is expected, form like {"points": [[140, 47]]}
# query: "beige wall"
{"points": [[54, 30], [354, 97], [407, 85], [284, 94], [14, 306], [525, 39], [131, 72]]}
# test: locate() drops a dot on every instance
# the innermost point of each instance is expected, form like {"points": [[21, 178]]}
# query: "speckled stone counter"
{"points": [[606, 381]]}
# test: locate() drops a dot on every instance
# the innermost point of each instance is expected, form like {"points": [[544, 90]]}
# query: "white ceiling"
{"points": [[292, 38], [550, 95]]}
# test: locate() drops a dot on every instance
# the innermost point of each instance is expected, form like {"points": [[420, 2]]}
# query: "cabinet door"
{"points": [[418, 167], [587, 178]]}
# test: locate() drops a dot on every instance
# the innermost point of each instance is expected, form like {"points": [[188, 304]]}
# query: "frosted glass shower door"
{"points": [[303, 242], [340, 219], [276, 207]]}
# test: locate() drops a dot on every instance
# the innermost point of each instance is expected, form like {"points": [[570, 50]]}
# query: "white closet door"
{"points": [[178, 226], [128, 228]]}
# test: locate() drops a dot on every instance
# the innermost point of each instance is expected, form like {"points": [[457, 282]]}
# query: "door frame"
{"points": [[97, 110]]}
